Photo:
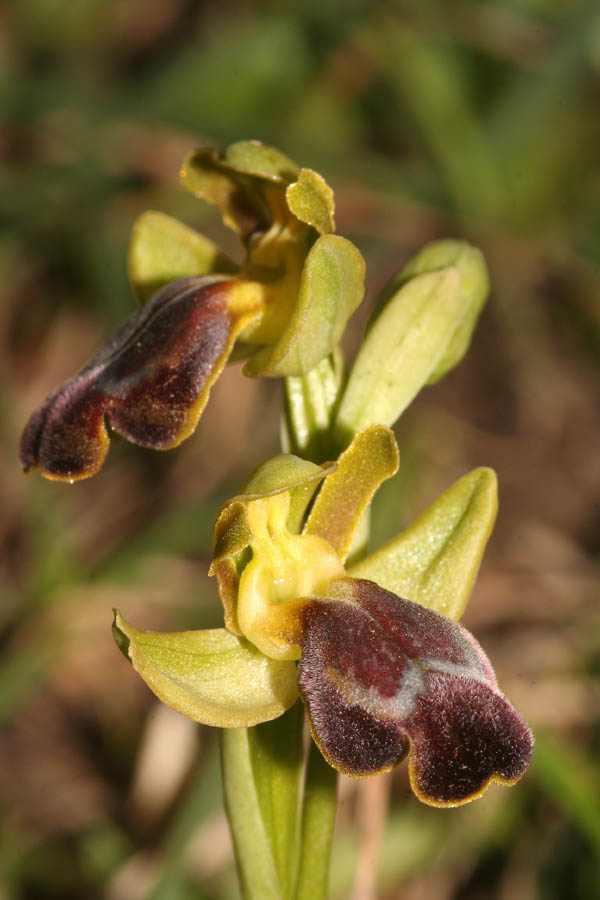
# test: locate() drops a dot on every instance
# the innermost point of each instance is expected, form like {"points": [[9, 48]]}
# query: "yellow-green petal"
{"points": [[210, 676], [246, 181], [311, 200], [435, 561], [371, 458], [331, 288]]}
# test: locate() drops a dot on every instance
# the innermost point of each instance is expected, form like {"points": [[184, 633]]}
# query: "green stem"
{"points": [[318, 819], [309, 405], [262, 779], [282, 828], [254, 861]]}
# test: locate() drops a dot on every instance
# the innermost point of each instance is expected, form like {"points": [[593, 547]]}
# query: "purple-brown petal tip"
{"points": [[382, 676], [465, 736], [149, 382]]}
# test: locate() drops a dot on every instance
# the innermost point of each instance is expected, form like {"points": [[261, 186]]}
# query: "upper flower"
{"points": [[284, 309], [380, 676]]}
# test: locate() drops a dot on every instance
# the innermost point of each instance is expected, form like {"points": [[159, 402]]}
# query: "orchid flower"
{"points": [[283, 310], [373, 648]]}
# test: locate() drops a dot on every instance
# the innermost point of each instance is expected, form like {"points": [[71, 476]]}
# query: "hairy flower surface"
{"points": [[381, 677]]}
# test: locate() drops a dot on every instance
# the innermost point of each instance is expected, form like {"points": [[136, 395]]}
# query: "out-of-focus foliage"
{"points": [[471, 119]]}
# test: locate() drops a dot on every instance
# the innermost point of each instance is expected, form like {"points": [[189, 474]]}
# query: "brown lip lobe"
{"points": [[383, 677], [148, 382]]}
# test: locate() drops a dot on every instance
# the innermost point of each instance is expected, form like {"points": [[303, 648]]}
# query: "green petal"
{"points": [[162, 250], [435, 561], [475, 286], [369, 460], [331, 288], [311, 201], [210, 676], [401, 351]]}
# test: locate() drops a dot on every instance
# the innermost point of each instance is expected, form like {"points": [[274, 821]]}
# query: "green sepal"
{"points": [[331, 288], [401, 351], [311, 200], [210, 676], [435, 561], [233, 534], [371, 458], [162, 250], [475, 286], [261, 161]]}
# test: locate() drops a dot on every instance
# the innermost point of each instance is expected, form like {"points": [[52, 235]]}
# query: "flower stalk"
{"points": [[283, 830]]}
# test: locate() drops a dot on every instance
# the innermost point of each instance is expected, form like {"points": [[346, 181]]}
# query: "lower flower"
{"points": [[381, 677]]}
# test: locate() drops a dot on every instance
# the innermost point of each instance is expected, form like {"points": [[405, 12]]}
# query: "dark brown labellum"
{"points": [[149, 382], [382, 676]]}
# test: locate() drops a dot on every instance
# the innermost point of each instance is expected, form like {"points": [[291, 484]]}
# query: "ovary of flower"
{"points": [[285, 568]]}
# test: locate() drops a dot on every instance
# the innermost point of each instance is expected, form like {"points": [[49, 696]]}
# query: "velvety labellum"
{"points": [[150, 382], [382, 677]]}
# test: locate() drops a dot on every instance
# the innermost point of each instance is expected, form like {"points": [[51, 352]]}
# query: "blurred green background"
{"points": [[429, 119]]}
